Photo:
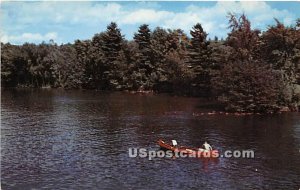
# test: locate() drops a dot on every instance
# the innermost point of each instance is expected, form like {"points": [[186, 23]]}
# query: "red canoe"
{"points": [[197, 152]]}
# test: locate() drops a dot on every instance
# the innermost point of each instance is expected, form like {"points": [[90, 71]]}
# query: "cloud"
{"points": [[214, 19], [29, 37], [146, 16], [35, 21]]}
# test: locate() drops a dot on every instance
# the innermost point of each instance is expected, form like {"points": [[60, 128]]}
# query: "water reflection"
{"points": [[80, 139]]}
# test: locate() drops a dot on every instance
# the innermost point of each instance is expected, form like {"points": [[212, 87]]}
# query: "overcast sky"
{"points": [[67, 21]]}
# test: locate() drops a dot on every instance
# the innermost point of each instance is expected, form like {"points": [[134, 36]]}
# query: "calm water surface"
{"points": [[55, 139]]}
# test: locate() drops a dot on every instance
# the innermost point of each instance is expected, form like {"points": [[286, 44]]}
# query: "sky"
{"points": [[64, 22]]}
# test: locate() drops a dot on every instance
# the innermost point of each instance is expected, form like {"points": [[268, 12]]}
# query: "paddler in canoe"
{"points": [[206, 147], [176, 148]]}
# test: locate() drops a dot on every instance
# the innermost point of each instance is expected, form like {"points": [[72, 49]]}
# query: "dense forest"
{"points": [[249, 71]]}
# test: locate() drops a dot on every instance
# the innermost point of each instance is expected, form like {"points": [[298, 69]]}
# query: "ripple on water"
{"points": [[80, 140]]}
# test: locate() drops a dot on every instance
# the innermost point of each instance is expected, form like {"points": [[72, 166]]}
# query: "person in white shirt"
{"points": [[207, 146], [174, 143]]}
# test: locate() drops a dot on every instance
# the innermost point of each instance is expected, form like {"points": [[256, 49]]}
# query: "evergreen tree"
{"points": [[199, 60], [248, 72], [112, 43], [160, 48], [144, 65], [95, 67]]}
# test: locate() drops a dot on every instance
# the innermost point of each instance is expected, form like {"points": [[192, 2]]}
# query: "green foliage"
{"points": [[144, 72], [112, 60], [67, 70], [249, 87], [199, 61], [242, 38], [280, 47], [259, 73], [247, 72], [13, 65]]}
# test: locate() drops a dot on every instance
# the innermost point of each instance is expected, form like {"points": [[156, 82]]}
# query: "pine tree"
{"points": [[159, 47], [145, 65], [95, 66], [111, 46], [199, 61]]}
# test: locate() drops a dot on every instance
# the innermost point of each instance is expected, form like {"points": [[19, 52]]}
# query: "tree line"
{"points": [[249, 71]]}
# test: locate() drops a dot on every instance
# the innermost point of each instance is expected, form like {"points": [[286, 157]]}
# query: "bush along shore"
{"points": [[248, 72]]}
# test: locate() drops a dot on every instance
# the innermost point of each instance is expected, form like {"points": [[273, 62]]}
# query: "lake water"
{"points": [[55, 139]]}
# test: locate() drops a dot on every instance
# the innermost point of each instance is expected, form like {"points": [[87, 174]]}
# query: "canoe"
{"points": [[196, 152]]}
